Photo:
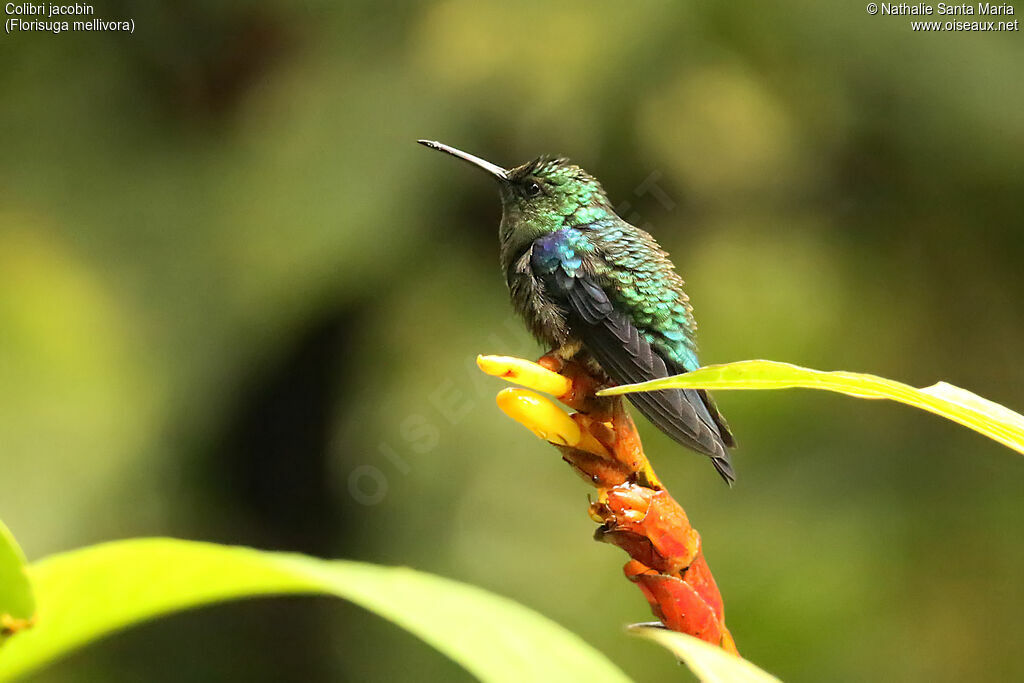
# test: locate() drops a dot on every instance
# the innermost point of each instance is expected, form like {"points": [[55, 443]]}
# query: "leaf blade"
{"points": [[86, 594], [17, 602], [953, 403], [709, 663]]}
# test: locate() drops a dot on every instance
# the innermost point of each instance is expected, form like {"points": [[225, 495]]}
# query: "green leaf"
{"points": [[953, 403], [709, 663], [16, 602], [86, 594]]}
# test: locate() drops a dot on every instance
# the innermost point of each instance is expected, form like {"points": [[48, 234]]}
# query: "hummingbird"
{"points": [[600, 291]]}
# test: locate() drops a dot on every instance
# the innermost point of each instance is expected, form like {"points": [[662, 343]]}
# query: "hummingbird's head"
{"points": [[539, 197], [549, 194]]}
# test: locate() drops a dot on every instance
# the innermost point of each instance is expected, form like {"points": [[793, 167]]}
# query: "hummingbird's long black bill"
{"points": [[495, 170]]}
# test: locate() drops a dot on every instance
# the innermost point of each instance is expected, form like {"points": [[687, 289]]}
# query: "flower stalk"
{"points": [[633, 509]]}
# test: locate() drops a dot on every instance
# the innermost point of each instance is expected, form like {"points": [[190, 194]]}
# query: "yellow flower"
{"points": [[539, 415], [525, 373]]}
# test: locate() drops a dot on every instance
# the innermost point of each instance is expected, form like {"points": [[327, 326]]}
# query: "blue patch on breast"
{"points": [[561, 248]]}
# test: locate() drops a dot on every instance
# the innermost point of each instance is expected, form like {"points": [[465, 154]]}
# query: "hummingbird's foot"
{"points": [[582, 386], [552, 362]]}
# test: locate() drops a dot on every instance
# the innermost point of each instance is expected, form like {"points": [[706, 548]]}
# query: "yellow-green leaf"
{"points": [[959, 405], [709, 663], [86, 594], [16, 602]]}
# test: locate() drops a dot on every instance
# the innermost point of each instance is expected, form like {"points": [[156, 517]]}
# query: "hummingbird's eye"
{"points": [[532, 189]]}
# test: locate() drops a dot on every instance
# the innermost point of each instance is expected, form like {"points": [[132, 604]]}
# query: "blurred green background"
{"points": [[239, 303]]}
